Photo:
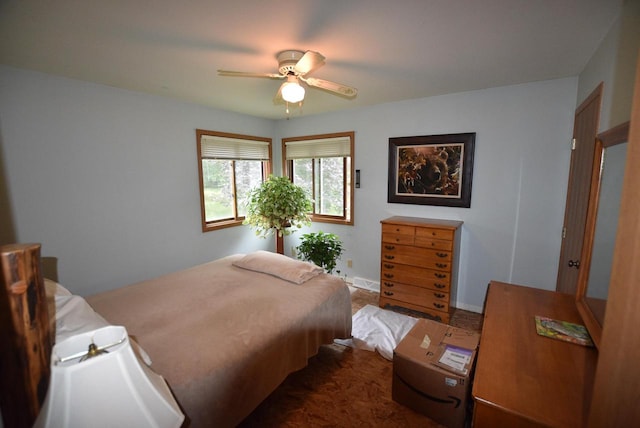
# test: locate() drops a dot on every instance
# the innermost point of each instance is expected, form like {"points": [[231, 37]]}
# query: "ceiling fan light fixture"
{"points": [[292, 91], [294, 66]]}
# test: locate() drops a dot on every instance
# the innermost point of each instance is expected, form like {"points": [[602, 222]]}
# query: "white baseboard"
{"points": [[366, 284], [470, 308]]}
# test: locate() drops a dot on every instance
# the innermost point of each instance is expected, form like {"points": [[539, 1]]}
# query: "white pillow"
{"points": [[280, 266]]}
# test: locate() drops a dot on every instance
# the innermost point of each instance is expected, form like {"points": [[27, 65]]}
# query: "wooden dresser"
{"points": [[419, 265], [523, 379]]}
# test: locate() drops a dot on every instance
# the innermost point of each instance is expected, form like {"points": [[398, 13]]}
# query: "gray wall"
{"points": [[614, 63], [512, 230], [107, 180]]}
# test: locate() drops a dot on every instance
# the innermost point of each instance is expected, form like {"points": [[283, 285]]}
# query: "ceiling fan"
{"points": [[294, 65]]}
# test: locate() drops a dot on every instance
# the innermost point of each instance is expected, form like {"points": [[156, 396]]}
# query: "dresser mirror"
{"points": [[601, 227]]}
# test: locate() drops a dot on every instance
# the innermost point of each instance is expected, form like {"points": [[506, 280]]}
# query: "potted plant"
{"points": [[323, 249], [276, 205]]}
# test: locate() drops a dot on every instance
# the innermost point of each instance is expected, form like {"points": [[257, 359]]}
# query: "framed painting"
{"points": [[431, 170]]}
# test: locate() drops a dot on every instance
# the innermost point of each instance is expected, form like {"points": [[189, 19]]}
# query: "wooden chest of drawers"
{"points": [[419, 265]]}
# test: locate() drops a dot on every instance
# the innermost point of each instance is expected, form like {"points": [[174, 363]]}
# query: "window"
{"points": [[323, 166], [230, 165]]}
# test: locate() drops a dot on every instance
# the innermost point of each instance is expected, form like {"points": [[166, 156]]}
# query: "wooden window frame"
{"points": [[348, 185], [208, 226]]}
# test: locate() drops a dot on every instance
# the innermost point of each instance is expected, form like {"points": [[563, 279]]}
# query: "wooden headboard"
{"points": [[25, 339]]}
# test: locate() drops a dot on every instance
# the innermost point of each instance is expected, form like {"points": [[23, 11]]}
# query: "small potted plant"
{"points": [[323, 249], [276, 205]]}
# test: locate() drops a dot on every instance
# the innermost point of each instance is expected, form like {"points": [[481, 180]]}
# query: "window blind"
{"points": [[319, 148], [216, 147]]}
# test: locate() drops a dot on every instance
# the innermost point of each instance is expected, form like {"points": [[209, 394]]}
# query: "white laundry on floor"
{"points": [[376, 329]]}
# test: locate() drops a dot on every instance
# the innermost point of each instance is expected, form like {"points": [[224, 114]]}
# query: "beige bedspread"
{"points": [[224, 337]]}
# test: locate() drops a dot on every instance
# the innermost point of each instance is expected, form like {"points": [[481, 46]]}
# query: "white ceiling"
{"points": [[389, 50]]}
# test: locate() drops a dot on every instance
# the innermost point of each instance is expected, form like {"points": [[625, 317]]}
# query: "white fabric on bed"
{"points": [[280, 266], [54, 289], [73, 316]]}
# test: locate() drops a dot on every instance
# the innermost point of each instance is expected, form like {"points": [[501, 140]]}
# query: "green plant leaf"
{"points": [[323, 249], [276, 205]]}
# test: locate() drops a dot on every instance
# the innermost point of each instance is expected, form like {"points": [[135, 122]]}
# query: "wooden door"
{"points": [[585, 129]]}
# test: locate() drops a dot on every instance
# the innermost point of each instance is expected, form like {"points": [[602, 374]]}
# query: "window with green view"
{"points": [[323, 166], [230, 166]]}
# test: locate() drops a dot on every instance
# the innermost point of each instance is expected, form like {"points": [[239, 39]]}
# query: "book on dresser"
{"points": [[419, 265], [563, 330]]}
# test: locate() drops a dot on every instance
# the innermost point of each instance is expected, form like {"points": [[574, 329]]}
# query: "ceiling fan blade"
{"points": [[310, 61], [338, 88], [249, 74]]}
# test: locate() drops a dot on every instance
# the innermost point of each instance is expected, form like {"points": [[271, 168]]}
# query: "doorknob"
{"points": [[575, 264]]}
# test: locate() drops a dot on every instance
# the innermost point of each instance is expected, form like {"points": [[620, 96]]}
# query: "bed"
{"points": [[226, 333]]}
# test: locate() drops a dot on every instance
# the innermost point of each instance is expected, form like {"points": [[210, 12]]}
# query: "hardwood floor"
{"points": [[344, 387]]}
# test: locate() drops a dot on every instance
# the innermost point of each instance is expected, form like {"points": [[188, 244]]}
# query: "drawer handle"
{"points": [[389, 266], [441, 275], [388, 293], [437, 285], [439, 295], [397, 229], [388, 275], [441, 265], [388, 257], [438, 305], [390, 247], [442, 254], [433, 234], [389, 284]]}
